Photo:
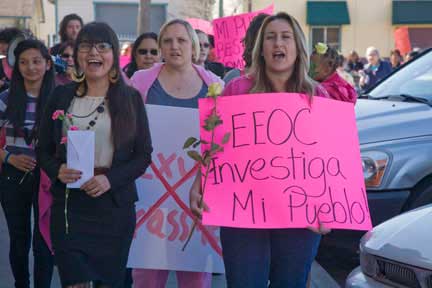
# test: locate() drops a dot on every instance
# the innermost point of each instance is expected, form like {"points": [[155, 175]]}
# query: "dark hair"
{"points": [[249, 39], [120, 104], [7, 34], [211, 40], [352, 54], [340, 60], [63, 25], [395, 52], [414, 53], [198, 31], [17, 100], [132, 67], [331, 57], [64, 45]]}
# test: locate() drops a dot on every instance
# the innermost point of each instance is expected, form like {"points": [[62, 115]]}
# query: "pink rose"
{"points": [[69, 116], [73, 128], [63, 140], [58, 114]]}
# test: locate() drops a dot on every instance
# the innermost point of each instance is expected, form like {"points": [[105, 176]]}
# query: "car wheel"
{"points": [[421, 195]]}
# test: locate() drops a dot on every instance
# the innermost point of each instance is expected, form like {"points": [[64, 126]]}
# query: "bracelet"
{"points": [[6, 159]]}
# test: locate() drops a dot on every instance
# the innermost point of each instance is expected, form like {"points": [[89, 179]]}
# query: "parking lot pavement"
{"points": [[320, 278]]}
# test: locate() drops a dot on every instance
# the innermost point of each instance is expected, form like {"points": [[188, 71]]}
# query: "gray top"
{"points": [[158, 96]]}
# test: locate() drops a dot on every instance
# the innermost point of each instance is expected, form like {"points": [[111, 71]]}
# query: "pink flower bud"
{"points": [[57, 114], [73, 128], [63, 140]]}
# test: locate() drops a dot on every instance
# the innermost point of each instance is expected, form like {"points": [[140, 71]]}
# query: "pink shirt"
{"points": [[339, 89], [243, 84], [142, 80]]}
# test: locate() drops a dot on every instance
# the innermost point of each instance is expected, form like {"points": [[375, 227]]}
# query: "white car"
{"points": [[397, 253]]}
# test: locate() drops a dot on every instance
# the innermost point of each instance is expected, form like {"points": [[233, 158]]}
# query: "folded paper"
{"points": [[80, 155]]}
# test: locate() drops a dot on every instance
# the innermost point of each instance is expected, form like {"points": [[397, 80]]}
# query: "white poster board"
{"points": [[163, 216]]}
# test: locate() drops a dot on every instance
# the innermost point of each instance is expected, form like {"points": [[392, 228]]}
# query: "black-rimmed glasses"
{"points": [[101, 47]]}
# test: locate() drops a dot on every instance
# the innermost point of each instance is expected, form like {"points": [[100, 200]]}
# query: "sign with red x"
{"points": [[164, 219]]}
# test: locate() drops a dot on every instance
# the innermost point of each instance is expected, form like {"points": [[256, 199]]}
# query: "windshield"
{"points": [[415, 80]]}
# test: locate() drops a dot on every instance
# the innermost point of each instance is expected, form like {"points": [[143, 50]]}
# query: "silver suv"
{"points": [[394, 122], [395, 130]]}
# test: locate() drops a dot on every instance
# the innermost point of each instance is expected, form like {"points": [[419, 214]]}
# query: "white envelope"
{"points": [[80, 155]]}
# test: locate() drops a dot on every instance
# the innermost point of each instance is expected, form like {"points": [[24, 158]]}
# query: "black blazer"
{"points": [[129, 161]]}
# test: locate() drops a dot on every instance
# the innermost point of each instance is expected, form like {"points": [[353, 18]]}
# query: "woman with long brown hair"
{"points": [[92, 227], [253, 257]]}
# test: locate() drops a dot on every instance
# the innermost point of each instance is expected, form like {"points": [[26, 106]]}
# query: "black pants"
{"points": [[17, 200]]}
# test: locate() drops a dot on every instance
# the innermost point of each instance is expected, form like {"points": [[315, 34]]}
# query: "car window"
{"points": [[415, 79]]}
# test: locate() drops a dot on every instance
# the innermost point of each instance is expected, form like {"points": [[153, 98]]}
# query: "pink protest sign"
{"points": [[201, 24], [228, 33], [288, 164]]}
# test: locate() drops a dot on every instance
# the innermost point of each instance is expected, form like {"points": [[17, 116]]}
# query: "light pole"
{"points": [[144, 16], [221, 12]]}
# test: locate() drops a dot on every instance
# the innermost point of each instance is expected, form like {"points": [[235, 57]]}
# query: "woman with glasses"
{"points": [[202, 60], [177, 83], [145, 53], [92, 227], [66, 54]]}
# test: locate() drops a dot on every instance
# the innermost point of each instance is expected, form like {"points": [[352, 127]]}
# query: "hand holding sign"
{"points": [[289, 164], [196, 202]]}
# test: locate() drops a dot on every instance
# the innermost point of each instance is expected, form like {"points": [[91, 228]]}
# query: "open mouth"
{"points": [[94, 63], [278, 55]]}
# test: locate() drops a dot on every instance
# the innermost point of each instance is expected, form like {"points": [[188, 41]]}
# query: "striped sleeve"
{"points": [[3, 105]]}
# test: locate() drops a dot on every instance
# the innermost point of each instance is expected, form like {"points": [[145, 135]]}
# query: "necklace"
{"points": [[99, 110]]}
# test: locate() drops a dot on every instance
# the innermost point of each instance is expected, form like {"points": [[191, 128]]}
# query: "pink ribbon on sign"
{"points": [[45, 202]]}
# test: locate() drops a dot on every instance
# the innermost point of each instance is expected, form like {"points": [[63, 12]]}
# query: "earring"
{"points": [[81, 89], [113, 76], [77, 78]]}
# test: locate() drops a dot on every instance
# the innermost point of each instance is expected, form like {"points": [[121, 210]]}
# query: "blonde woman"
{"points": [[179, 83], [253, 257]]}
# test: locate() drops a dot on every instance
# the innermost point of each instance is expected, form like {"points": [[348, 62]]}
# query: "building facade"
{"points": [[121, 15], [357, 24], [35, 15]]}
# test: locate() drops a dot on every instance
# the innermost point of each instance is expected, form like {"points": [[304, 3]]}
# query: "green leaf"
{"points": [[195, 155], [211, 122], [215, 147], [203, 141], [219, 122], [189, 142], [208, 127], [226, 138]]}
